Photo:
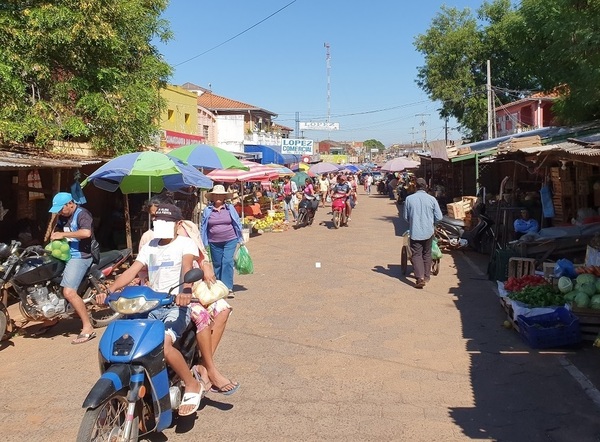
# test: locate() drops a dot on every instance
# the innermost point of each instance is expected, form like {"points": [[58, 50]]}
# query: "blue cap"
{"points": [[59, 200]]}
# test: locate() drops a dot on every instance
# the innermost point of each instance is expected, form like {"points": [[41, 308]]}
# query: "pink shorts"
{"points": [[203, 316]]}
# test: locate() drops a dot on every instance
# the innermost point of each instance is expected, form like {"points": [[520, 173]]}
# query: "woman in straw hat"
{"points": [[222, 231]]}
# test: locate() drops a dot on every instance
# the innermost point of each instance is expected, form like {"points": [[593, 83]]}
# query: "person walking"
{"points": [[289, 189], [421, 211], [221, 229], [368, 181], [323, 189], [75, 225]]}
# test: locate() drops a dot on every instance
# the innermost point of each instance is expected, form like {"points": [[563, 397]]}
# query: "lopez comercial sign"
{"points": [[297, 147]]}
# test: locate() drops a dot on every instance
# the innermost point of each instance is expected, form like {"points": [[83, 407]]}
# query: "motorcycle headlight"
{"points": [[132, 306]]}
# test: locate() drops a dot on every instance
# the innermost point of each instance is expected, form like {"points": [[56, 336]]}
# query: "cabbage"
{"points": [[585, 277], [598, 286], [595, 302], [565, 285], [588, 288], [569, 297], [582, 300]]}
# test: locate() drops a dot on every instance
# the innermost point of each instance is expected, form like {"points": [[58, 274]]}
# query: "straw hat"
{"points": [[219, 190]]}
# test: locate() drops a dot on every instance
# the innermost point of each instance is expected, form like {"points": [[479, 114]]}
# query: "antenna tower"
{"points": [[328, 61]]}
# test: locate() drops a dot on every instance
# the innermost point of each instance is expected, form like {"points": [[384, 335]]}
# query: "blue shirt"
{"points": [[422, 211]]}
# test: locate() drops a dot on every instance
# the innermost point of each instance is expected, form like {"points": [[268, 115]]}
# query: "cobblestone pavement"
{"points": [[330, 342]]}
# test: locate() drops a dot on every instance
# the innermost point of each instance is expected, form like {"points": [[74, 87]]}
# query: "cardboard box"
{"points": [[456, 210]]}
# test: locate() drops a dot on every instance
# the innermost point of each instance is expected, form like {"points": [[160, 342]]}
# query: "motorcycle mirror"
{"points": [[190, 277]]}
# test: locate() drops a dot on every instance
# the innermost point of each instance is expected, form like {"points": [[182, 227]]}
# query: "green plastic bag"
{"points": [[59, 249], [436, 253], [243, 262]]}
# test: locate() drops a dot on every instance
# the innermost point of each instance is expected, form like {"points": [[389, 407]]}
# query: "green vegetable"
{"points": [[565, 285], [588, 288], [585, 277], [569, 297], [582, 300], [595, 302], [539, 296], [598, 286]]}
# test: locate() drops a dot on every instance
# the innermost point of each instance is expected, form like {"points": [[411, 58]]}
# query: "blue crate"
{"points": [[556, 329]]}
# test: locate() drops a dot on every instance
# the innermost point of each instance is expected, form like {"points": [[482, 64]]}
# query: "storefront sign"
{"points": [[318, 125], [171, 139], [297, 146]]}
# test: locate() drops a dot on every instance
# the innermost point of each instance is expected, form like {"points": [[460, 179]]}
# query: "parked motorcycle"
{"points": [[339, 209], [451, 234], [307, 208], [34, 278], [137, 392]]}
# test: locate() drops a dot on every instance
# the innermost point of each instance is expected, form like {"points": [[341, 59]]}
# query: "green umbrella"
{"points": [[204, 156], [300, 178]]}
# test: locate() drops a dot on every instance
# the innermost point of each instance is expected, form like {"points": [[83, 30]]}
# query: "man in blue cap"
{"points": [[75, 225]]}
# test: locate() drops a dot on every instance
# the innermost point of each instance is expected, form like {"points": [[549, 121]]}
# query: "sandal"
{"points": [[204, 386], [83, 337], [226, 389]]}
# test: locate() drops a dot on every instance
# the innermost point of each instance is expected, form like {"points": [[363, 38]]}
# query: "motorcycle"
{"points": [[451, 234], [382, 188], [136, 393], [307, 208], [339, 209], [34, 278]]}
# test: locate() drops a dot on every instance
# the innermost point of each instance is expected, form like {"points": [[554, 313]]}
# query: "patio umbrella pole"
{"points": [[127, 222]]}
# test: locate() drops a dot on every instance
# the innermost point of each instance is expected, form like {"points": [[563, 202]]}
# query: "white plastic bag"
{"points": [[207, 295]]}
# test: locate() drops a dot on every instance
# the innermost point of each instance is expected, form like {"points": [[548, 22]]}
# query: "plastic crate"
{"points": [[556, 329]]}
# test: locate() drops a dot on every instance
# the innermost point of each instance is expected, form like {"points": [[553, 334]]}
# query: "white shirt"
{"points": [[165, 262]]}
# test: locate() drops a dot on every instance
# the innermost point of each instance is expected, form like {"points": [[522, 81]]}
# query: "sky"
{"points": [[271, 54]]}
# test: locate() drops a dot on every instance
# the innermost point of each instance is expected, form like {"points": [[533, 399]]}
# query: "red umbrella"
{"points": [[257, 172]]}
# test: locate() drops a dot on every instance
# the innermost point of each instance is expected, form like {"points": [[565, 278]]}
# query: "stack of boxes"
{"points": [[563, 191], [462, 209]]}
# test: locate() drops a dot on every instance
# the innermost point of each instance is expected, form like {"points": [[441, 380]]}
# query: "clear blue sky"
{"points": [[280, 64]]}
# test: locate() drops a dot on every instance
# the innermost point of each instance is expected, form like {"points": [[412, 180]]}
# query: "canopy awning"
{"points": [[272, 154]]}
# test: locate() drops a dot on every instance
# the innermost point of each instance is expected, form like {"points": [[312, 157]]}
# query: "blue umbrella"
{"points": [[146, 172], [204, 156], [352, 168]]}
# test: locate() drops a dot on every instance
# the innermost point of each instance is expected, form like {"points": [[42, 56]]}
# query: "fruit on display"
{"points": [[268, 223]]}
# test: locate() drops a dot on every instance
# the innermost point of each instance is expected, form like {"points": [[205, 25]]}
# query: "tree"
{"points": [[82, 70], [561, 48], [456, 48], [374, 144]]}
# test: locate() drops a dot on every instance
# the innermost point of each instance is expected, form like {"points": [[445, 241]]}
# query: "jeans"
{"points": [[221, 254], [289, 206]]}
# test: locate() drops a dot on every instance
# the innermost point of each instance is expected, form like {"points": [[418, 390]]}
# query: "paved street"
{"points": [[347, 351]]}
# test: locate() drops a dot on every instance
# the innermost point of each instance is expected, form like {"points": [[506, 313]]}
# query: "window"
{"points": [[170, 115], [186, 118], [205, 132]]}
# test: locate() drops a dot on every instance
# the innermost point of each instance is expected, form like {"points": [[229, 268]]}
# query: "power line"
{"points": [[236, 35]]}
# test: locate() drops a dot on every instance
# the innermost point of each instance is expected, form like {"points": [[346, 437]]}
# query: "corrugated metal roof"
{"points": [[19, 160]]}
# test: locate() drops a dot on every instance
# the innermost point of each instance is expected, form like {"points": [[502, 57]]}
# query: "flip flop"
{"points": [[83, 337], [225, 390], [203, 384]]}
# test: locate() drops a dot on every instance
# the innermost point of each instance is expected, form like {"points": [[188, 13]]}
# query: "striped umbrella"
{"points": [[204, 156]]}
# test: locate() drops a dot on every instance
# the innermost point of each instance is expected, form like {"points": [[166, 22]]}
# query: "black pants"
{"points": [[421, 257]]}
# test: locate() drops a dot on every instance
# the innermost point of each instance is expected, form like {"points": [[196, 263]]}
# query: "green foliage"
{"points": [[81, 70], [456, 48], [374, 144]]}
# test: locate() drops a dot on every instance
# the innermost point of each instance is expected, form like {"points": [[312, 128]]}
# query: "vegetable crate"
{"points": [[518, 267], [589, 322], [556, 329], [506, 305]]}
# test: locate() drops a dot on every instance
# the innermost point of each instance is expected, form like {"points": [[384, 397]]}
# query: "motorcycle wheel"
{"points": [[100, 315], [435, 267], [3, 324], [404, 260], [107, 421], [301, 219], [336, 219]]}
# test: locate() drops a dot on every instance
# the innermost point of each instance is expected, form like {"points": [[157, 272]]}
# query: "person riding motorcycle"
{"points": [[342, 187]]}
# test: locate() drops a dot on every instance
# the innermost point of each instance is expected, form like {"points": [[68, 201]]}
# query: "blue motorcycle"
{"points": [[136, 393]]}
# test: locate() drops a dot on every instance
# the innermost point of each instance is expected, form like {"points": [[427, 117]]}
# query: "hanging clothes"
{"points": [[34, 181]]}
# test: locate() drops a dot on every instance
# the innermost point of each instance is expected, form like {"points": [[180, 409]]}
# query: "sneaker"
{"points": [[420, 283], [231, 295]]}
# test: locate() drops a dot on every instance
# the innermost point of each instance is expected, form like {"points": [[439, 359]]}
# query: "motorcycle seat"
{"points": [[453, 222]]}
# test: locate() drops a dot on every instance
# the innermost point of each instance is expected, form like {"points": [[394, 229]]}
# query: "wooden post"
{"points": [[127, 222]]}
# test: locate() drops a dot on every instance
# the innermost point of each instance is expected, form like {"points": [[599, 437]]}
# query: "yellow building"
{"points": [[179, 121]]}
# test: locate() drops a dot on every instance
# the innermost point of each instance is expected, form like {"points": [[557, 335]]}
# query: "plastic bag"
{"points": [[243, 262], [564, 267], [59, 248], [436, 253], [209, 294]]}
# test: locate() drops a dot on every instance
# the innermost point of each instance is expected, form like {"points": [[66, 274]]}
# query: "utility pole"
{"points": [[422, 124], [297, 127], [328, 64], [490, 122], [412, 133], [446, 130]]}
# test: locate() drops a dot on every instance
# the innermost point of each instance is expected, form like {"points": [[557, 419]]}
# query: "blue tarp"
{"points": [[272, 154]]}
